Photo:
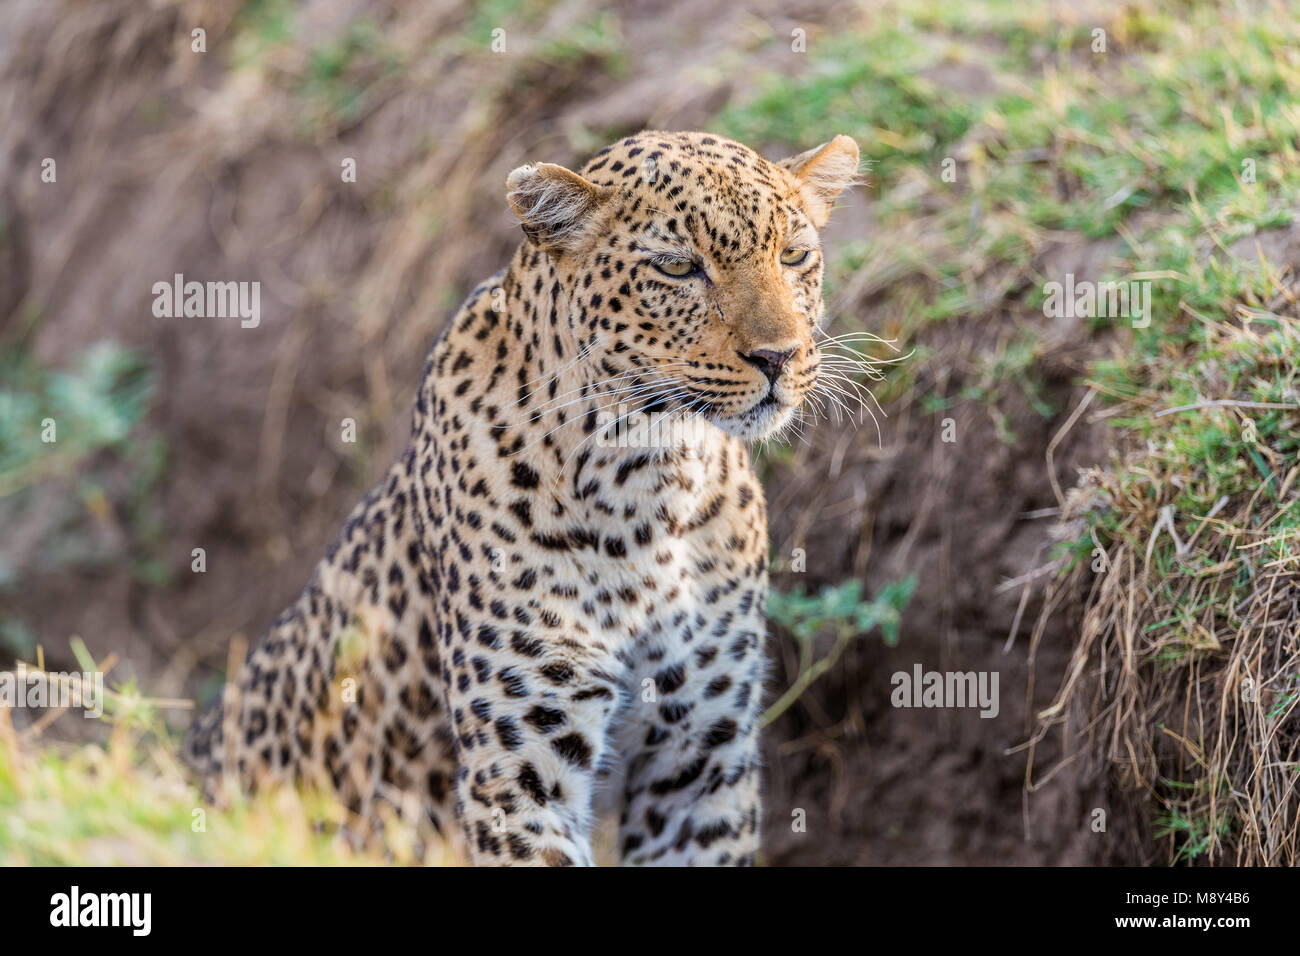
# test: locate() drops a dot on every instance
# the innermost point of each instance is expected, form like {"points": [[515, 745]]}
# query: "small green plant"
{"points": [[78, 428], [51, 420], [840, 610], [1194, 836]]}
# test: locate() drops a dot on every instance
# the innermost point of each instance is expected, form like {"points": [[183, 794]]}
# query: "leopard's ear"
{"points": [[823, 173], [559, 209]]}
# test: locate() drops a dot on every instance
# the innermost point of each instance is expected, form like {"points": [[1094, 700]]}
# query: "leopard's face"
{"points": [[697, 273]]}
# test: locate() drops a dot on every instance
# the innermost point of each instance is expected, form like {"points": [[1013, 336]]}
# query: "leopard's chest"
{"points": [[622, 554]]}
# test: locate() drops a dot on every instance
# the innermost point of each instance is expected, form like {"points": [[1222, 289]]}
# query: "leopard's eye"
{"points": [[792, 257], [677, 268]]}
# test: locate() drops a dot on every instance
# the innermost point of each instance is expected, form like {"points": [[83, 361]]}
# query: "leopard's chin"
{"points": [[763, 419]]}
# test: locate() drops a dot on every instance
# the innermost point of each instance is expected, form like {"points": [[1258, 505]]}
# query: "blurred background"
{"points": [[1008, 146]]}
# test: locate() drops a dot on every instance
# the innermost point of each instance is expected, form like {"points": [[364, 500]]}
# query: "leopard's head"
{"points": [[693, 269]]}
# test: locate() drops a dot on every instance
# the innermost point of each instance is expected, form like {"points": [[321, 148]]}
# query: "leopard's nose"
{"points": [[768, 361]]}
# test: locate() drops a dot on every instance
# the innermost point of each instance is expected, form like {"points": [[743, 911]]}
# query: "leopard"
{"points": [[540, 618]]}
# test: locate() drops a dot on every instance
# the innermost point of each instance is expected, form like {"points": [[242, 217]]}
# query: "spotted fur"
{"points": [[540, 623]]}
